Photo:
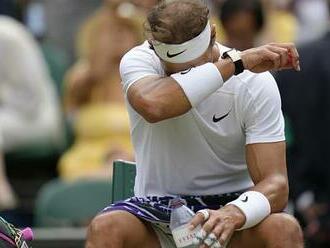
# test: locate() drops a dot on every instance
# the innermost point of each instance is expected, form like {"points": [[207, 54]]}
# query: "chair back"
{"points": [[124, 173]]}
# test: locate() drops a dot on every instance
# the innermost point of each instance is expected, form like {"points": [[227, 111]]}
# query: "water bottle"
{"points": [[180, 218]]}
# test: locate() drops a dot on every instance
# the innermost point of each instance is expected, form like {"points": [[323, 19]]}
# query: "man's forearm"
{"points": [[226, 68], [268, 196], [158, 99], [276, 189]]}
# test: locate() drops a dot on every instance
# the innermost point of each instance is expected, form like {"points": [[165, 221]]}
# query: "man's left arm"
{"points": [[267, 167], [265, 149], [266, 161]]}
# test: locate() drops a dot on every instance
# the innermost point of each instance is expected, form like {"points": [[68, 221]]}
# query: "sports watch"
{"points": [[234, 55]]}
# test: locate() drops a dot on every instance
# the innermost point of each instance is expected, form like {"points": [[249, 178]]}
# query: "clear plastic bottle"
{"points": [[180, 218]]}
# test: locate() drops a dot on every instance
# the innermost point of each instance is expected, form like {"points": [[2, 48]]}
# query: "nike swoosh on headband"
{"points": [[184, 52], [174, 54]]}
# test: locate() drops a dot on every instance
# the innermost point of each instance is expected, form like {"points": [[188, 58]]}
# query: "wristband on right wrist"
{"points": [[255, 207]]}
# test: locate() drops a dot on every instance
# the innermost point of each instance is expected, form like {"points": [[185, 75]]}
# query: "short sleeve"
{"points": [[262, 118], [137, 64]]}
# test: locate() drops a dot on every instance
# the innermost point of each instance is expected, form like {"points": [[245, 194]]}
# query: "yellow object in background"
{"points": [[282, 26], [101, 129]]}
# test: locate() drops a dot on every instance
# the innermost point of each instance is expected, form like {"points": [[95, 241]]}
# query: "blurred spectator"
{"points": [[313, 19], [29, 112], [306, 101], [63, 19], [242, 21], [281, 23], [93, 97], [145, 5], [57, 60]]}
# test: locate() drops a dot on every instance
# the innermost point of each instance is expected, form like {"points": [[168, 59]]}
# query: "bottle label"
{"points": [[183, 236]]}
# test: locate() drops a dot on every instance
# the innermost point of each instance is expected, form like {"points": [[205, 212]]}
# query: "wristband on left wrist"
{"points": [[255, 207]]}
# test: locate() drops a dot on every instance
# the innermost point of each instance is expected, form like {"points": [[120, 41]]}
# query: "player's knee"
{"points": [[285, 226], [105, 226], [293, 228]]}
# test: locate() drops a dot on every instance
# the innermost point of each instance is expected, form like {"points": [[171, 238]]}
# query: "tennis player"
{"points": [[207, 126]]}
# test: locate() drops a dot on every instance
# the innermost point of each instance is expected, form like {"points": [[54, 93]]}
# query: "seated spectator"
{"points": [[305, 98], [242, 21], [29, 112], [57, 59], [313, 20], [281, 24], [63, 18], [94, 101]]}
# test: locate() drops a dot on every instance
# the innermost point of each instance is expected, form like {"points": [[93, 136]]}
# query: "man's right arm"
{"points": [[159, 98]]}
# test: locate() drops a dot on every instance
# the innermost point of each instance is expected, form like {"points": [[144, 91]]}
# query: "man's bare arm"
{"points": [[267, 167], [161, 98]]}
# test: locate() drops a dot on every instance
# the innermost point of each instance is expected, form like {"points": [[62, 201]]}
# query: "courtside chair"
{"points": [[71, 204], [123, 180]]}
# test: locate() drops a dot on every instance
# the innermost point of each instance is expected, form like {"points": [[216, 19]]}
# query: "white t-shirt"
{"points": [[203, 151]]}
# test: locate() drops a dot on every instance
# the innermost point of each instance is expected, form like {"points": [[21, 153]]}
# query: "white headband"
{"points": [[185, 52]]}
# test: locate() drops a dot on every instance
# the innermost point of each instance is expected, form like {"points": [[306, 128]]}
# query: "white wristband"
{"points": [[255, 207], [199, 82]]}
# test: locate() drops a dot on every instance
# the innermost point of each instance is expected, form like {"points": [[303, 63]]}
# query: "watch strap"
{"points": [[234, 55]]}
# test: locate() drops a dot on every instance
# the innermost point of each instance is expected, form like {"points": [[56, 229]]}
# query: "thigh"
{"points": [[137, 231], [245, 238], [277, 230], [122, 229], [164, 236]]}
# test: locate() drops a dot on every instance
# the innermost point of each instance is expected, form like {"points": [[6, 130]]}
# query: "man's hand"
{"points": [[274, 56], [221, 225]]}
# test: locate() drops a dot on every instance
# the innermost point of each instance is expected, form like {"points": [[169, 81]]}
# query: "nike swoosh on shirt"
{"points": [[215, 119], [174, 54], [246, 199]]}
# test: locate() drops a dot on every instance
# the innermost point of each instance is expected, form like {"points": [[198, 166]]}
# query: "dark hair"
{"points": [[231, 7], [177, 21]]}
